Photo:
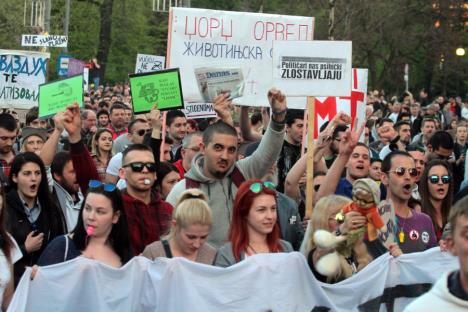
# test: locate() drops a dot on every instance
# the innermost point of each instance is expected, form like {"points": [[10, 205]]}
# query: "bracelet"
{"points": [[279, 113]]}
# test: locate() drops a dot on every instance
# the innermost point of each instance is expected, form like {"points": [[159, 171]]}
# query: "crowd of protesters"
{"points": [[103, 183]]}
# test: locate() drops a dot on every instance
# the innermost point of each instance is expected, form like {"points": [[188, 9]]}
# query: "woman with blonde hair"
{"points": [[324, 218], [191, 224]]}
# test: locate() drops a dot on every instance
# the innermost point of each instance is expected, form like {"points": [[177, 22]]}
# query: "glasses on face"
{"points": [[142, 132], [138, 166], [400, 171], [434, 179], [108, 187], [257, 187]]}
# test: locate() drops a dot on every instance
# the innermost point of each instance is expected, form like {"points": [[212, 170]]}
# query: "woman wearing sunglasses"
{"points": [[254, 227], [33, 217], [100, 234], [436, 189], [191, 225], [101, 151]]}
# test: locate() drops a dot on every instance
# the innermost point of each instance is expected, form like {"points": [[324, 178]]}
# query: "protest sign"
{"points": [[199, 110], [213, 81], [146, 63], [162, 88], [207, 38], [56, 96], [312, 68], [85, 79], [354, 104], [50, 41], [21, 73], [280, 282], [75, 67]]}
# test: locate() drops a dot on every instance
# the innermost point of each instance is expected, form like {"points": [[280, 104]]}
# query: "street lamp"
{"points": [[460, 52]]}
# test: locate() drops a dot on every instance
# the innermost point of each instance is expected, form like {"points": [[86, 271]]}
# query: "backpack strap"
{"points": [[167, 248], [189, 183], [66, 249], [237, 177]]}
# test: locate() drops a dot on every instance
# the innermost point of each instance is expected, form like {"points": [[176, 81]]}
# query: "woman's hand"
{"points": [[33, 243], [353, 220]]}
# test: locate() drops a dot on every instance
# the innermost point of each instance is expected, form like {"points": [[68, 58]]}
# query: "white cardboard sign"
{"points": [[312, 68], [146, 63], [199, 110], [51, 41], [205, 38]]}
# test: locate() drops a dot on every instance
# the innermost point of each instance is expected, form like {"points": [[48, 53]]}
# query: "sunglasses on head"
{"points": [[434, 179], [257, 187], [142, 132], [138, 166], [400, 171], [108, 187]]}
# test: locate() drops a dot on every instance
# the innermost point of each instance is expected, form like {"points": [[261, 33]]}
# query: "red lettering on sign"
{"points": [[324, 109]]}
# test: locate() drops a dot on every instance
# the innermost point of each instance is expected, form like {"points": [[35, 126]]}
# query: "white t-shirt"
{"points": [[5, 273]]}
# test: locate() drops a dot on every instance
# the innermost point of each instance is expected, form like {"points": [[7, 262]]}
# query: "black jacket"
{"points": [[49, 222]]}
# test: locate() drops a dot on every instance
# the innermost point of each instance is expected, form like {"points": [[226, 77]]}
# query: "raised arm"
{"points": [[222, 106], [347, 144], [82, 161], [50, 146], [245, 128]]}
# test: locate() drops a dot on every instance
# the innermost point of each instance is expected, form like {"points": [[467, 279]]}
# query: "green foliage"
{"points": [[386, 35]]}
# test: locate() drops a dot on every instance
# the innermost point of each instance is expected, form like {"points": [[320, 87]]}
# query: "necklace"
{"points": [[401, 234]]}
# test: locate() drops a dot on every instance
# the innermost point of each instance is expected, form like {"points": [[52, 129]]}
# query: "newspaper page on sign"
{"points": [[312, 68], [213, 81]]}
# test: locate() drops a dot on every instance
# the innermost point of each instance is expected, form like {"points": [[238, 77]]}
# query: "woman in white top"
{"points": [[9, 254]]}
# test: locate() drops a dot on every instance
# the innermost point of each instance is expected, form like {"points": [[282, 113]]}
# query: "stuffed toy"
{"points": [[335, 265]]}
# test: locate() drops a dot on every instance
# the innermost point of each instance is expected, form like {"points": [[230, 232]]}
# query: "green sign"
{"points": [[55, 96], [162, 88]]}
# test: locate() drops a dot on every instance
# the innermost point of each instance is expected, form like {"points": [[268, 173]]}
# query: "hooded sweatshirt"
{"points": [[439, 298], [221, 192]]}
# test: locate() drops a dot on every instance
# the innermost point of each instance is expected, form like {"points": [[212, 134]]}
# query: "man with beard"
{"points": [[412, 230], [401, 141], [117, 120], [8, 133], [428, 127], [176, 129], [66, 188], [331, 150], [216, 171]]}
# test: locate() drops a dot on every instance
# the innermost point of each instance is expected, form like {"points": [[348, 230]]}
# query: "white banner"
{"points": [[208, 38], [21, 73], [51, 41], [264, 282], [199, 110], [146, 63], [315, 68]]}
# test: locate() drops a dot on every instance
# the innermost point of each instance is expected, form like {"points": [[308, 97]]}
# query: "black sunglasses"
{"points": [[434, 179], [400, 171], [142, 132], [138, 166]]}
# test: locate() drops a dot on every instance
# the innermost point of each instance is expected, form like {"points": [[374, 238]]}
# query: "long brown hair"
{"points": [[427, 206], [5, 241]]}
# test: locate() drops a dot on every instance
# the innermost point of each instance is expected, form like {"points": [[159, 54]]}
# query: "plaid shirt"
{"points": [[146, 223], [4, 171]]}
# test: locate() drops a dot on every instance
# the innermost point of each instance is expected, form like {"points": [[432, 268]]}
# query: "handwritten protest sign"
{"points": [[21, 73], [313, 68], [199, 110], [207, 38], [50, 41], [162, 88], [146, 63], [354, 104], [56, 96]]}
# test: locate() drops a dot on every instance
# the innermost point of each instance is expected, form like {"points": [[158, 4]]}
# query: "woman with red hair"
{"points": [[254, 227]]}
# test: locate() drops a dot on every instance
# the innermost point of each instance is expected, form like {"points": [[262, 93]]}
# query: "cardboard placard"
{"points": [[163, 88], [312, 68], [56, 96], [146, 63]]}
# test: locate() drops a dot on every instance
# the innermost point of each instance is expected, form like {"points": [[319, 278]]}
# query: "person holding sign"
{"points": [[254, 228], [217, 173]]}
